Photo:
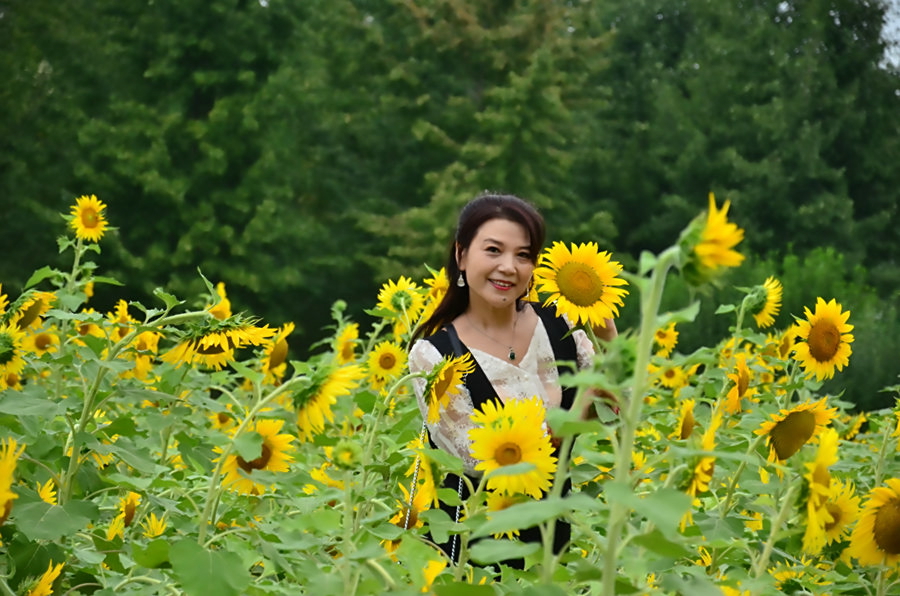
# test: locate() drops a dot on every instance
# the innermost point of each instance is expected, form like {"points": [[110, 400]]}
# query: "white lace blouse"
{"points": [[536, 374]]}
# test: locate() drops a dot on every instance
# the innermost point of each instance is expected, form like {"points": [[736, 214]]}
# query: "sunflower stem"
{"points": [[732, 486], [882, 453], [213, 488], [759, 566], [619, 512], [474, 497]]}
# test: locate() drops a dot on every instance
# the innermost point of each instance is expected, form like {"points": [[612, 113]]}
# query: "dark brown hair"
{"points": [[479, 210]]}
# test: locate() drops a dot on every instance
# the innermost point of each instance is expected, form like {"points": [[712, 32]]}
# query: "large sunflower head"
{"points": [[28, 309], [765, 302], [12, 349], [87, 218], [10, 450], [876, 538], [445, 381], [582, 281], [42, 341], [511, 434], [275, 455], [789, 430], [404, 299], [824, 340], [387, 360], [709, 242], [212, 343]]}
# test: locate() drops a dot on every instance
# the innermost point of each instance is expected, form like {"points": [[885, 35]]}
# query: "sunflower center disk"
{"points": [[887, 527], [508, 454], [89, 218], [257, 464], [824, 341], [579, 284], [836, 515], [387, 361], [792, 433], [42, 342], [279, 353]]}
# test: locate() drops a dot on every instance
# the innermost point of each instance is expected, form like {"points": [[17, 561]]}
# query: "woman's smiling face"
{"points": [[497, 263]]}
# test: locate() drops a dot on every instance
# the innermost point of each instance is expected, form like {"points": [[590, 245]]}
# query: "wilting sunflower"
{"points": [[154, 527], [212, 342], [665, 339], [44, 585], [876, 538], [789, 430], [582, 282], [9, 455], [387, 360], [824, 340], [686, 422], [818, 481], [768, 303], [405, 298], [843, 509], [445, 382], [12, 349], [345, 343], [87, 218], [741, 388], [313, 404], [221, 309], [275, 352], [510, 434], [718, 239], [28, 310], [275, 457]]}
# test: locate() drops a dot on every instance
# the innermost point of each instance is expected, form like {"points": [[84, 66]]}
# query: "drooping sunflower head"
{"points": [[274, 456], [583, 282], [824, 340], [709, 242], [387, 360], [313, 404], [764, 302], [686, 422], [345, 343], [789, 430], [818, 483], [876, 538], [275, 353], [128, 506], [28, 309], [445, 381], [665, 339], [740, 389], [511, 434], [12, 350], [212, 343], [87, 218]]}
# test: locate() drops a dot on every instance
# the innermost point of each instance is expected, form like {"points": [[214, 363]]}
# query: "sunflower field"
{"points": [[175, 448]]}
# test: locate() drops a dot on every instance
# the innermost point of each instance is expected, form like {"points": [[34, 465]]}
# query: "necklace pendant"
{"points": [[512, 354]]}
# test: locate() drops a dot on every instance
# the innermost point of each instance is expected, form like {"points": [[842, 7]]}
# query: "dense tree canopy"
{"points": [[303, 152]]}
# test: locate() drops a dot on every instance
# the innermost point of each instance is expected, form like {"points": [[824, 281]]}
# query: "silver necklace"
{"points": [[511, 353]]}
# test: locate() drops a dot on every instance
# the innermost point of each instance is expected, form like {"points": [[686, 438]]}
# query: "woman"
{"points": [[515, 344]]}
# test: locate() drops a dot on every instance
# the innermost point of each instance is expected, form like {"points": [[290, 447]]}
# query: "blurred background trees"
{"points": [[306, 151]]}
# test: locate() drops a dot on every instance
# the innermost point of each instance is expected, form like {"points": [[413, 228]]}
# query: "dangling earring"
{"points": [[461, 282]]}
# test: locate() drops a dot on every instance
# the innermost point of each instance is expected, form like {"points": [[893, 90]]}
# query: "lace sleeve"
{"points": [[451, 431]]}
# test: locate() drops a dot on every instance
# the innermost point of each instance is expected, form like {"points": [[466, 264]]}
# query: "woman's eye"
{"points": [[493, 249]]}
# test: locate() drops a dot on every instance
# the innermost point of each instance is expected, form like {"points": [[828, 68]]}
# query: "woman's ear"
{"points": [[459, 256]]}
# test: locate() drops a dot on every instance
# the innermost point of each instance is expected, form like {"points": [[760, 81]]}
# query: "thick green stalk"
{"points": [[619, 513], [787, 505]]}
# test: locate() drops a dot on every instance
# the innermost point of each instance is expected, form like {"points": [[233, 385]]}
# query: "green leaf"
{"points": [[531, 513], [156, 554], [249, 445], [39, 520], [101, 279], [168, 299], [204, 572], [664, 507], [463, 589], [40, 275], [725, 308], [655, 541], [448, 462], [494, 551], [19, 404]]}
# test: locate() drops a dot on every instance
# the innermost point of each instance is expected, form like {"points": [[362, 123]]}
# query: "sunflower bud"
{"points": [[346, 455]]}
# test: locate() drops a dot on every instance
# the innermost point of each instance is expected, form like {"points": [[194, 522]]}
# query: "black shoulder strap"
{"points": [[565, 351]]}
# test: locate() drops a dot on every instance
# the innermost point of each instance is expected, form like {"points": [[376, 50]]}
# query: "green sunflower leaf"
{"points": [[203, 572]]}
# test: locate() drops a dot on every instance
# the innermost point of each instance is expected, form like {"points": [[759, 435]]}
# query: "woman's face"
{"points": [[497, 263]]}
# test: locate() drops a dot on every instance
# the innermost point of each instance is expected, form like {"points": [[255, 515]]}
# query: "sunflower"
{"points": [[741, 388], [4, 301], [274, 457], [686, 421], [143, 351], [88, 326], [275, 352], [12, 348], [497, 501], [876, 538], [824, 340], [121, 321], [28, 310], [818, 480], [704, 469], [408, 516], [314, 403], [47, 491], [221, 308], [212, 342], [154, 527], [430, 572], [44, 585], [843, 509], [718, 238], [510, 434], [665, 339], [582, 282], [345, 343], [87, 218], [9, 455], [789, 430], [387, 360], [116, 528], [769, 303], [445, 382], [404, 299], [421, 470]]}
